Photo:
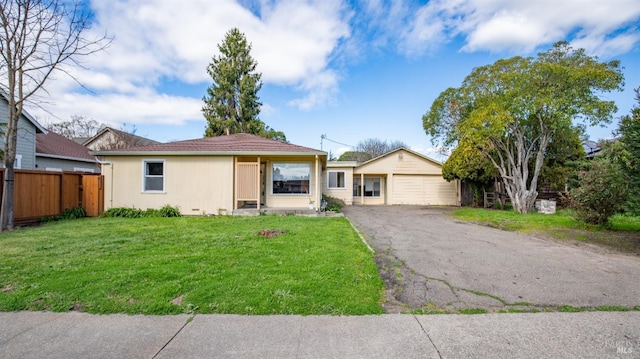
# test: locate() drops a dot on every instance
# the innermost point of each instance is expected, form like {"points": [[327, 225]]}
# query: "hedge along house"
{"points": [[215, 175], [400, 176]]}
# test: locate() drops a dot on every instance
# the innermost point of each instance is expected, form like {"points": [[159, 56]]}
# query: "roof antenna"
{"points": [[322, 137]]}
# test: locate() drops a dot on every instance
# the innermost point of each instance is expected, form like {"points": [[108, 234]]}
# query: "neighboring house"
{"points": [[57, 153], [109, 138], [214, 175], [28, 127], [400, 176]]}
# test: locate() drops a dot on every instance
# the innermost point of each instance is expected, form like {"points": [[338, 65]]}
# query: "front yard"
{"points": [[241, 265], [623, 236]]}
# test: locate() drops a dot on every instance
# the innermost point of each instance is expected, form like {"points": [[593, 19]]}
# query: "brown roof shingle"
{"points": [[238, 143], [53, 144]]}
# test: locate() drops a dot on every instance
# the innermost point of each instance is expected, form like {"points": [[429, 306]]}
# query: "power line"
{"points": [[324, 137]]}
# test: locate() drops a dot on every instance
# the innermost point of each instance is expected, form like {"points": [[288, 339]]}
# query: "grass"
{"points": [[623, 235], [190, 265]]}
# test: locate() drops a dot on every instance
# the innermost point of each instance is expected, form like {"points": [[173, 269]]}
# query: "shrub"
{"points": [[168, 211], [333, 204], [126, 212], [123, 212], [69, 213], [601, 193], [74, 213]]}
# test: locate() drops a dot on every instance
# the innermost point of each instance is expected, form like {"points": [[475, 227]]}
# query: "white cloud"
{"points": [[145, 107], [300, 43], [161, 40], [505, 25]]}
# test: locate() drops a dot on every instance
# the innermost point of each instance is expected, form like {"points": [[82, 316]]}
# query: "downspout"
{"points": [[258, 185], [108, 163], [362, 189], [317, 202]]}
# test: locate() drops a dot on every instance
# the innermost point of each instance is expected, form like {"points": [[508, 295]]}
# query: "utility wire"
{"points": [[324, 137]]}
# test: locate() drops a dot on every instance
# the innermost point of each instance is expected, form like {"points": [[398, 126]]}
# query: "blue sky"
{"points": [[348, 69]]}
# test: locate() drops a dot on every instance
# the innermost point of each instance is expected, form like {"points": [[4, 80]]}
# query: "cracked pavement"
{"points": [[431, 261]]}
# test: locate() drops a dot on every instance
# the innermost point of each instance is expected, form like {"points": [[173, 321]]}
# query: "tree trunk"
{"points": [[7, 202]]}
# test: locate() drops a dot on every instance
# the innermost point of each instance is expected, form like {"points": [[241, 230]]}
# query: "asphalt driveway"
{"points": [[429, 260]]}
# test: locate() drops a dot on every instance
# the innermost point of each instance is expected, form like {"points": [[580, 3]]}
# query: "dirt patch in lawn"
{"points": [[270, 233]]}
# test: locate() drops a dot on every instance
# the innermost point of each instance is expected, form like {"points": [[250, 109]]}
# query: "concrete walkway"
{"points": [[531, 335]]}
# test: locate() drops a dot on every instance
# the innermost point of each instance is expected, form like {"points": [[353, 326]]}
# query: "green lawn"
{"points": [[190, 265], [624, 234]]}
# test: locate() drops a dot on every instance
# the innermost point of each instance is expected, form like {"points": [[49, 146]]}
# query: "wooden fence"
{"points": [[40, 194]]}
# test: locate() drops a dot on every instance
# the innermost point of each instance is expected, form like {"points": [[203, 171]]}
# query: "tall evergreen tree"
{"points": [[232, 104]]}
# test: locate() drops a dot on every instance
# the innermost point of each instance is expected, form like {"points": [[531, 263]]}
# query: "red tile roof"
{"points": [[232, 144], [53, 144]]}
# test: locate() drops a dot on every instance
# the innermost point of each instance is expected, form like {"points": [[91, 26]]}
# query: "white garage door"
{"points": [[423, 190]]}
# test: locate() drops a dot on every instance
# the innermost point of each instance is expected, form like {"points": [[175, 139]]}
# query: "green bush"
{"points": [[123, 212], [601, 193], [69, 213], [126, 212], [333, 204], [74, 213], [168, 211]]}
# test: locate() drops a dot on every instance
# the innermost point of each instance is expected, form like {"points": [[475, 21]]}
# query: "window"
{"points": [[290, 178], [83, 169], [336, 179], [371, 187], [153, 176], [18, 162]]}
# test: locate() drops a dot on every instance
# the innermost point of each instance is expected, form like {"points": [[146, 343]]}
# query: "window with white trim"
{"points": [[153, 179], [17, 164], [336, 180], [371, 187], [291, 178]]}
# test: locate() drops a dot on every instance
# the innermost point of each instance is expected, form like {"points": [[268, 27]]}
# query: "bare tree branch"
{"points": [[37, 39]]}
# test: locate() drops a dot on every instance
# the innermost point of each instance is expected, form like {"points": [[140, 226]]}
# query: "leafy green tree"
{"points": [[627, 154], [565, 148], [232, 104], [468, 164], [512, 109]]}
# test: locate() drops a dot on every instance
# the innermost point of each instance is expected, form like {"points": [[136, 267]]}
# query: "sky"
{"points": [[348, 70]]}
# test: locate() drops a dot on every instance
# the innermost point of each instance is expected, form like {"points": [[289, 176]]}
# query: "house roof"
{"points": [[39, 128], [123, 136], [401, 149], [354, 164], [238, 144], [53, 145]]}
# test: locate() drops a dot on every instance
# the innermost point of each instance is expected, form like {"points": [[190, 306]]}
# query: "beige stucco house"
{"points": [[401, 176], [230, 174], [215, 175]]}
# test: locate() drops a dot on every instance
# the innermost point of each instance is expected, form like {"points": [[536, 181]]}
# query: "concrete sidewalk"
{"points": [[531, 335]]}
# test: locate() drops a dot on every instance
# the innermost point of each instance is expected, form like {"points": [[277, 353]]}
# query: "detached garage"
{"points": [[398, 177]]}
